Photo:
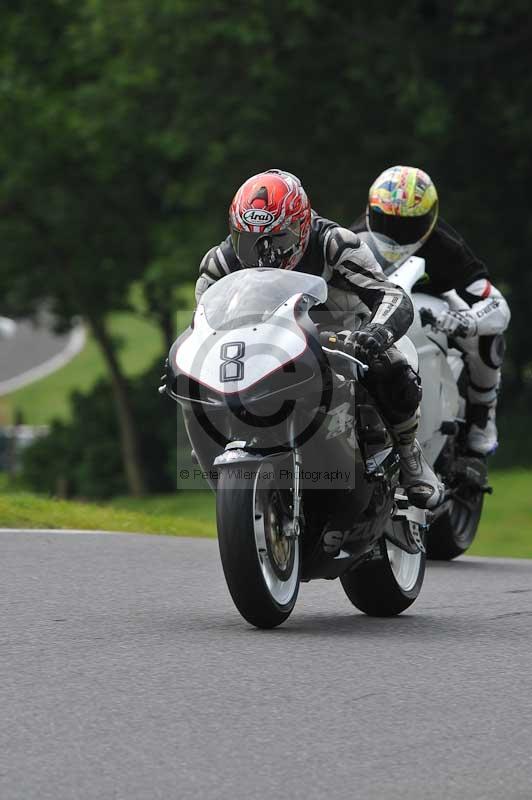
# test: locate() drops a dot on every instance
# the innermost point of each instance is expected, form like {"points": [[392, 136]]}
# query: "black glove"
{"points": [[369, 342]]}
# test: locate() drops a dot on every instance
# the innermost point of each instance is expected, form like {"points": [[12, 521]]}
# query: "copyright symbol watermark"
{"points": [[283, 412], [184, 474]]}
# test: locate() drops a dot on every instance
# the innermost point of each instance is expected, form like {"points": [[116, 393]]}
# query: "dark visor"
{"points": [[402, 230], [264, 249]]}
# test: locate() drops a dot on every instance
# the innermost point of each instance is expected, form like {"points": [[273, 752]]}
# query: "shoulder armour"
{"points": [[219, 261], [338, 242]]}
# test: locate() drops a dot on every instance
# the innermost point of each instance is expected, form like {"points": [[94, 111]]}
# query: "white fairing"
{"points": [[202, 355], [209, 355], [406, 276], [409, 273], [438, 366]]}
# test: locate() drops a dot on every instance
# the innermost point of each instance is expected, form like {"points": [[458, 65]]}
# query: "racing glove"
{"points": [[369, 342], [457, 323]]}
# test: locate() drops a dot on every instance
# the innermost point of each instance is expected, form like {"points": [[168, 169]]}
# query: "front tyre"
{"points": [[454, 531], [386, 584], [260, 559]]}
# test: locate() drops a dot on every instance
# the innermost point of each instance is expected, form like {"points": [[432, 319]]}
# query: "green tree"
{"points": [[71, 225], [128, 126]]}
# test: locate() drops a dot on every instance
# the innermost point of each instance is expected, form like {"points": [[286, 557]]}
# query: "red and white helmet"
{"points": [[269, 220]]}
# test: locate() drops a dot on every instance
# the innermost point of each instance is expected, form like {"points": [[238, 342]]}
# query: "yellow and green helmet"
{"points": [[403, 207]]}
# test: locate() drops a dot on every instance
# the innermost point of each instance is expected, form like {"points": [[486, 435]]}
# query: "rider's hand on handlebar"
{"points": [[337, 342], [457, 323], [368, 342]]}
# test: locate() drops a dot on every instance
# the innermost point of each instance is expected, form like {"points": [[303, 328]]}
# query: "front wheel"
{"points": [[456, 523], [453, 532], [387, 583], [260, 558]]}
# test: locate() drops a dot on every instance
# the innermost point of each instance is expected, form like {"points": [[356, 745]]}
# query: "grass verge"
{"points": [[185, 514], [506, 527]]}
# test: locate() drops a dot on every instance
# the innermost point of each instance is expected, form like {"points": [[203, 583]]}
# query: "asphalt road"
{"points": [[125, 672], [34, 351]]}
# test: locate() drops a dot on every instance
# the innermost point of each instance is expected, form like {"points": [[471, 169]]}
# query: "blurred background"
{"points": [[126, 129]]}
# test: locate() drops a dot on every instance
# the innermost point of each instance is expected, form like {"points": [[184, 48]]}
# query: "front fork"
{"points": [[296, 501], [239, 452], [296, 488]]}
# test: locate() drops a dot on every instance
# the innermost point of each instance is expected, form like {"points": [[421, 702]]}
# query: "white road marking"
{"points": [[74, 345], [65, 531]]}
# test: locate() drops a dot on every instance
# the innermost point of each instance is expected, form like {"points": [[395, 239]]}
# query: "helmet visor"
{"points": [[265, 249], [402, 230]]}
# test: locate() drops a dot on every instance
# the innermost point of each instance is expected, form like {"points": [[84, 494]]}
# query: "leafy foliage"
{"points": [[139, 120], [82, 457]]}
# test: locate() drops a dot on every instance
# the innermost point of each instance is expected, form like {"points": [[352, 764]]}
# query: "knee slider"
{"points": [[398, 385], [492, 349], [408, 392]]}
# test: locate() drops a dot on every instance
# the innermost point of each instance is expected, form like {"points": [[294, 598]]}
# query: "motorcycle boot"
{"points": [[482, 428], [422, 487]]}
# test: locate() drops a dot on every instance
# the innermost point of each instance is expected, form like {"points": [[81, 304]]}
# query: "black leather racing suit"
{"points": [[358, 293]]}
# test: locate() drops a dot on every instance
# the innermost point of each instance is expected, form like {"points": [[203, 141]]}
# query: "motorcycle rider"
{"points": [[402, 218], [272, 225]]}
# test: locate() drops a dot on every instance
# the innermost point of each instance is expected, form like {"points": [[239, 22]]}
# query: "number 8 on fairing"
{"points": [[232, 368]]}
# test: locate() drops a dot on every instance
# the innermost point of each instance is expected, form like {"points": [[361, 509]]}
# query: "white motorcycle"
{"points": [[296, 450], [443, 410]]}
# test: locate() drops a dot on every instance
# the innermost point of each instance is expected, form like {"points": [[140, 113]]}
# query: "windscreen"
{"points": [[388, 253], [251, 296]]}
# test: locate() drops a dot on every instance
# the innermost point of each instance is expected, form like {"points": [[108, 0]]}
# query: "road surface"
{"points": [[127, 673], [34, 351]]}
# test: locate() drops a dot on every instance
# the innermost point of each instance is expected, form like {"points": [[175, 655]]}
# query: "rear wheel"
{"points": [[260, 557], [386, 584]]}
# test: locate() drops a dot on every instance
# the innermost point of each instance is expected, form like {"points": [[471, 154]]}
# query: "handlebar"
{"points": [[332, 344]]}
